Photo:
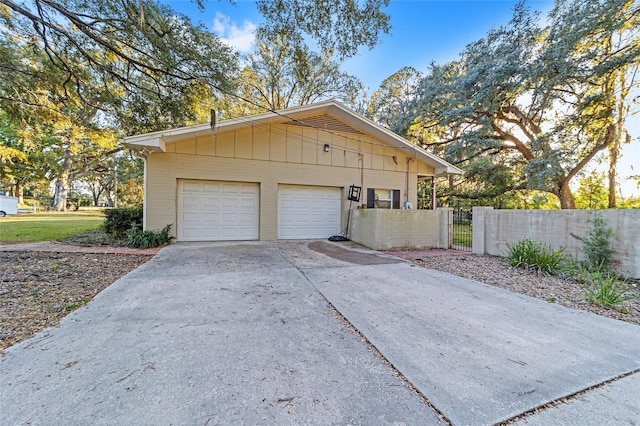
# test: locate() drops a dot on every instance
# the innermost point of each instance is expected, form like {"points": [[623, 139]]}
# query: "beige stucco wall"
{"points": [[272, 155], [383, 229], [494, 229]]}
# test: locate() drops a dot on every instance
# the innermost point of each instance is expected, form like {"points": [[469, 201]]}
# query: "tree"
{"points": [[529, 107], [145, 46], [339, 26], [279, 76], [72, 112], [118, 178], [63, 128], [592, 192], [605, 43], [391, 104], [134, 47]]}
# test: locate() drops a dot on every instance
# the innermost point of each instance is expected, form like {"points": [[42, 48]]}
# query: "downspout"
{"points": [[144, 153], [407, 205]]}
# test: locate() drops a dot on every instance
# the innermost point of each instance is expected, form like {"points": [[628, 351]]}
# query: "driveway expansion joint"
{"points": [[566, 399], [340, 318]]}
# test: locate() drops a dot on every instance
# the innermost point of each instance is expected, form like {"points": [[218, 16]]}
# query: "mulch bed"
{"points": [[38, 289]]}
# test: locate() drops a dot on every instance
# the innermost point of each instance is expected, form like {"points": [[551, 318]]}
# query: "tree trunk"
{"points": [[61, 193], [19, 193], [613, 163], [107, 193], [619, 137], [96, 191], [566, 197], [62, 185]]}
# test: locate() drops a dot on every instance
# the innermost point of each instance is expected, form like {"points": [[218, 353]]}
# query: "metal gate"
{"points": [[461, 228]]}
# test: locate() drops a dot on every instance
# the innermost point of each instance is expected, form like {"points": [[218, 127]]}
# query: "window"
{"points": [[378, 198]]}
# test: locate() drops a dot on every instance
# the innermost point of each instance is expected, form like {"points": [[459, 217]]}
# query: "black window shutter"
{"points": [[396, 199], [371, 197]]}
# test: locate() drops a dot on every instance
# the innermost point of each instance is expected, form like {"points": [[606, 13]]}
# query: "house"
{"points": [[278, 175]]}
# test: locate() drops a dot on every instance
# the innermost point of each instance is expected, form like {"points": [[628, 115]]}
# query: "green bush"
{"points": [[597, 244], [119, 221], [530, 254], [147, 239]]}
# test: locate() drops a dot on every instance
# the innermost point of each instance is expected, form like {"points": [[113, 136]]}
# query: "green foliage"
{"points": [[279, 76], [119, 221], [603, 287], [597, 244], [530, 254], [390, 104], [147, 239], [532, 103], [592, 192], [340, 26]]}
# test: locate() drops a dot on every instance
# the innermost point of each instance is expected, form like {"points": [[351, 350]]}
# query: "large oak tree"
{"points": [[530, 106]]}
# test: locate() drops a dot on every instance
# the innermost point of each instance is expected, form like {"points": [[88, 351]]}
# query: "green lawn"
{"points": [[462, 234], [47, 226]]}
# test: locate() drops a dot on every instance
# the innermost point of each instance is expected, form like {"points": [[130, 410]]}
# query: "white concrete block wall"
{"points": [[494, 229], [384, 229]]}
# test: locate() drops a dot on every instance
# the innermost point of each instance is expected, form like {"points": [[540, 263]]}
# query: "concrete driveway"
{"points": [[246, 333]]}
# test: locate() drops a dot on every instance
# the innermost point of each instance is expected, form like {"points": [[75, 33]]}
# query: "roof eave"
{"points": [[149, 144]]}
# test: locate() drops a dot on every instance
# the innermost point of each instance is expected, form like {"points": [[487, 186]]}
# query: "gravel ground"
{"points": [[37, 289], [497, 272]]}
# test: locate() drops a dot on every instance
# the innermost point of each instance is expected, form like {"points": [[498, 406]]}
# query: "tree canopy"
{"points": [[529, 106]]}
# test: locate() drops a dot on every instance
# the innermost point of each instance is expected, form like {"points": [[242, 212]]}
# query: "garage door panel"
{"points": [[213, 211], [210, 218], [209, 202], [190, 218], [190, 201], [308, 211], [190, 187]]}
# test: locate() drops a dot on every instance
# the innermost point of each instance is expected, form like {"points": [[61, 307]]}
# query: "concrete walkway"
{"points": [[233, 333]]}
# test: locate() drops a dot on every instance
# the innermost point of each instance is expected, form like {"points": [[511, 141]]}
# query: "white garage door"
{"points": [[216, 211], [308, 212]]}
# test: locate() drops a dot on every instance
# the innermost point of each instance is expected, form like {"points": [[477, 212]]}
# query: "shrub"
{"points": [[530, 254], [119, 221], [147, 239], [597, 244]]}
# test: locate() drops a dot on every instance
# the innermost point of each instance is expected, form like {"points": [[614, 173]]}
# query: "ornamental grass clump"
{"points": [[530, 254], [605, 288]]}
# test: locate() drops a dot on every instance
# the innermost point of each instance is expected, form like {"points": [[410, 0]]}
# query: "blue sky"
{"points": [[422, 31]]}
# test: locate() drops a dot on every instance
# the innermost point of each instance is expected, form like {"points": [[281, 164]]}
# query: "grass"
{"points": [[48, 226], [462, 234]]}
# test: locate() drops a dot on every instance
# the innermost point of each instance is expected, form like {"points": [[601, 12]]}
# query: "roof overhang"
{"points": [[338, 119]]}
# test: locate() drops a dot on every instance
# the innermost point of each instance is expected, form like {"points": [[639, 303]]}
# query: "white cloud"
{"points": [[241, 38]]}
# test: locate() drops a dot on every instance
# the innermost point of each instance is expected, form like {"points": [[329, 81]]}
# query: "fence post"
{"points": [[445, 221], [478, 230]]}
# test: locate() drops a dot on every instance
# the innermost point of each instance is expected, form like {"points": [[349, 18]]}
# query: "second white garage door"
{"points": [[307, 212], [217, 211]]}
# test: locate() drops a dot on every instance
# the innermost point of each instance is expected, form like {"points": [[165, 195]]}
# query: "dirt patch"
{"points": [[359, 258], [38, 289]]}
